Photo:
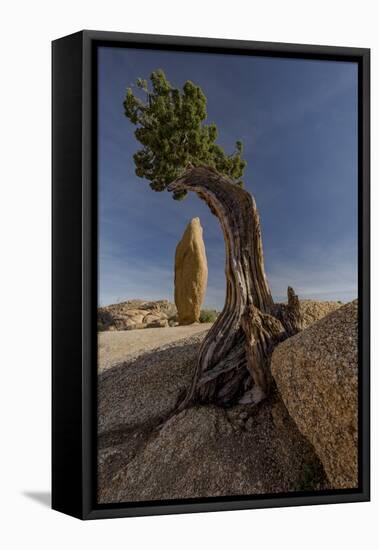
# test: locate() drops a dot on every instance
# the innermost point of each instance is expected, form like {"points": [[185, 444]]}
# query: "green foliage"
{"points": [[208, 315], [170, 127]]}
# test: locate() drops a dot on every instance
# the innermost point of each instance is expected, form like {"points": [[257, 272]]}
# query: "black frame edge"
{"points": [[364, 257], [193, 42], [67, 422]]}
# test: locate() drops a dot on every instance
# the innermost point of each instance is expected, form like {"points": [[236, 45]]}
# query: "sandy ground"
{"points": [[117, 346]]}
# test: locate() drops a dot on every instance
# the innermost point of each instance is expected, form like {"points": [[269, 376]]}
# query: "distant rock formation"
{"points": [[316, 373], [137, 314], [312, 310], [191, 273], [134, 314]]}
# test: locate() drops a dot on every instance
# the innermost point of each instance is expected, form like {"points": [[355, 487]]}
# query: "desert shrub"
{"points": [[208, 315]]}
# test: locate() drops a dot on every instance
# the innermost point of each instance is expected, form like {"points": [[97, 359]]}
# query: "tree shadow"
{"points": [[42, 497]]}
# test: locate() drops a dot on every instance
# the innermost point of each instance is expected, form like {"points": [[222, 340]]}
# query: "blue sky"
{"points": [[298, 122]]}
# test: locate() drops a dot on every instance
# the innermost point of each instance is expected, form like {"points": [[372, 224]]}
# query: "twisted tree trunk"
{"points": [[234, 359]]}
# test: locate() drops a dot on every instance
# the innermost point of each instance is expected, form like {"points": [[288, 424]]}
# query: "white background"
{"points": [[26, 31]]}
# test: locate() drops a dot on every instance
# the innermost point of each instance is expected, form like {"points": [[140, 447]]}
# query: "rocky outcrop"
{"points": [[136, 314], [191, 273], [145, 452], [208, 451], [316, 373], [146, 389], [313, 310]]}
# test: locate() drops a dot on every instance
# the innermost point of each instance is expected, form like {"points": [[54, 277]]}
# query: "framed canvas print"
{"points": [[210, 275]]}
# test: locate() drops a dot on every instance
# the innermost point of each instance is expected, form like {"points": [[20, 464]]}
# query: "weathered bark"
{"points": [[262, 333], [233, 363], [289, 314]]}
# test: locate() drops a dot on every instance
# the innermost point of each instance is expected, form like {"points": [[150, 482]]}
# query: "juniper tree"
{"points": [[170, 125], [179, 153]]}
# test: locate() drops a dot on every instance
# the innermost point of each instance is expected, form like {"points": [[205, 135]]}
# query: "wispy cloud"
{"points": [[123, 278], [317, 272]]}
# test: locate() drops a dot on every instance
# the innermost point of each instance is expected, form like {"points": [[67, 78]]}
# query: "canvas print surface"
{"points": [[227, 275]]}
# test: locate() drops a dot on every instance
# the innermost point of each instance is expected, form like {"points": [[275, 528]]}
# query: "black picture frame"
{"points": [[74, 272]]}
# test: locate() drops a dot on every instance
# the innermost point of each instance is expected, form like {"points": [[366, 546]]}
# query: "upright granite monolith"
{"points": [[191, 273]]}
